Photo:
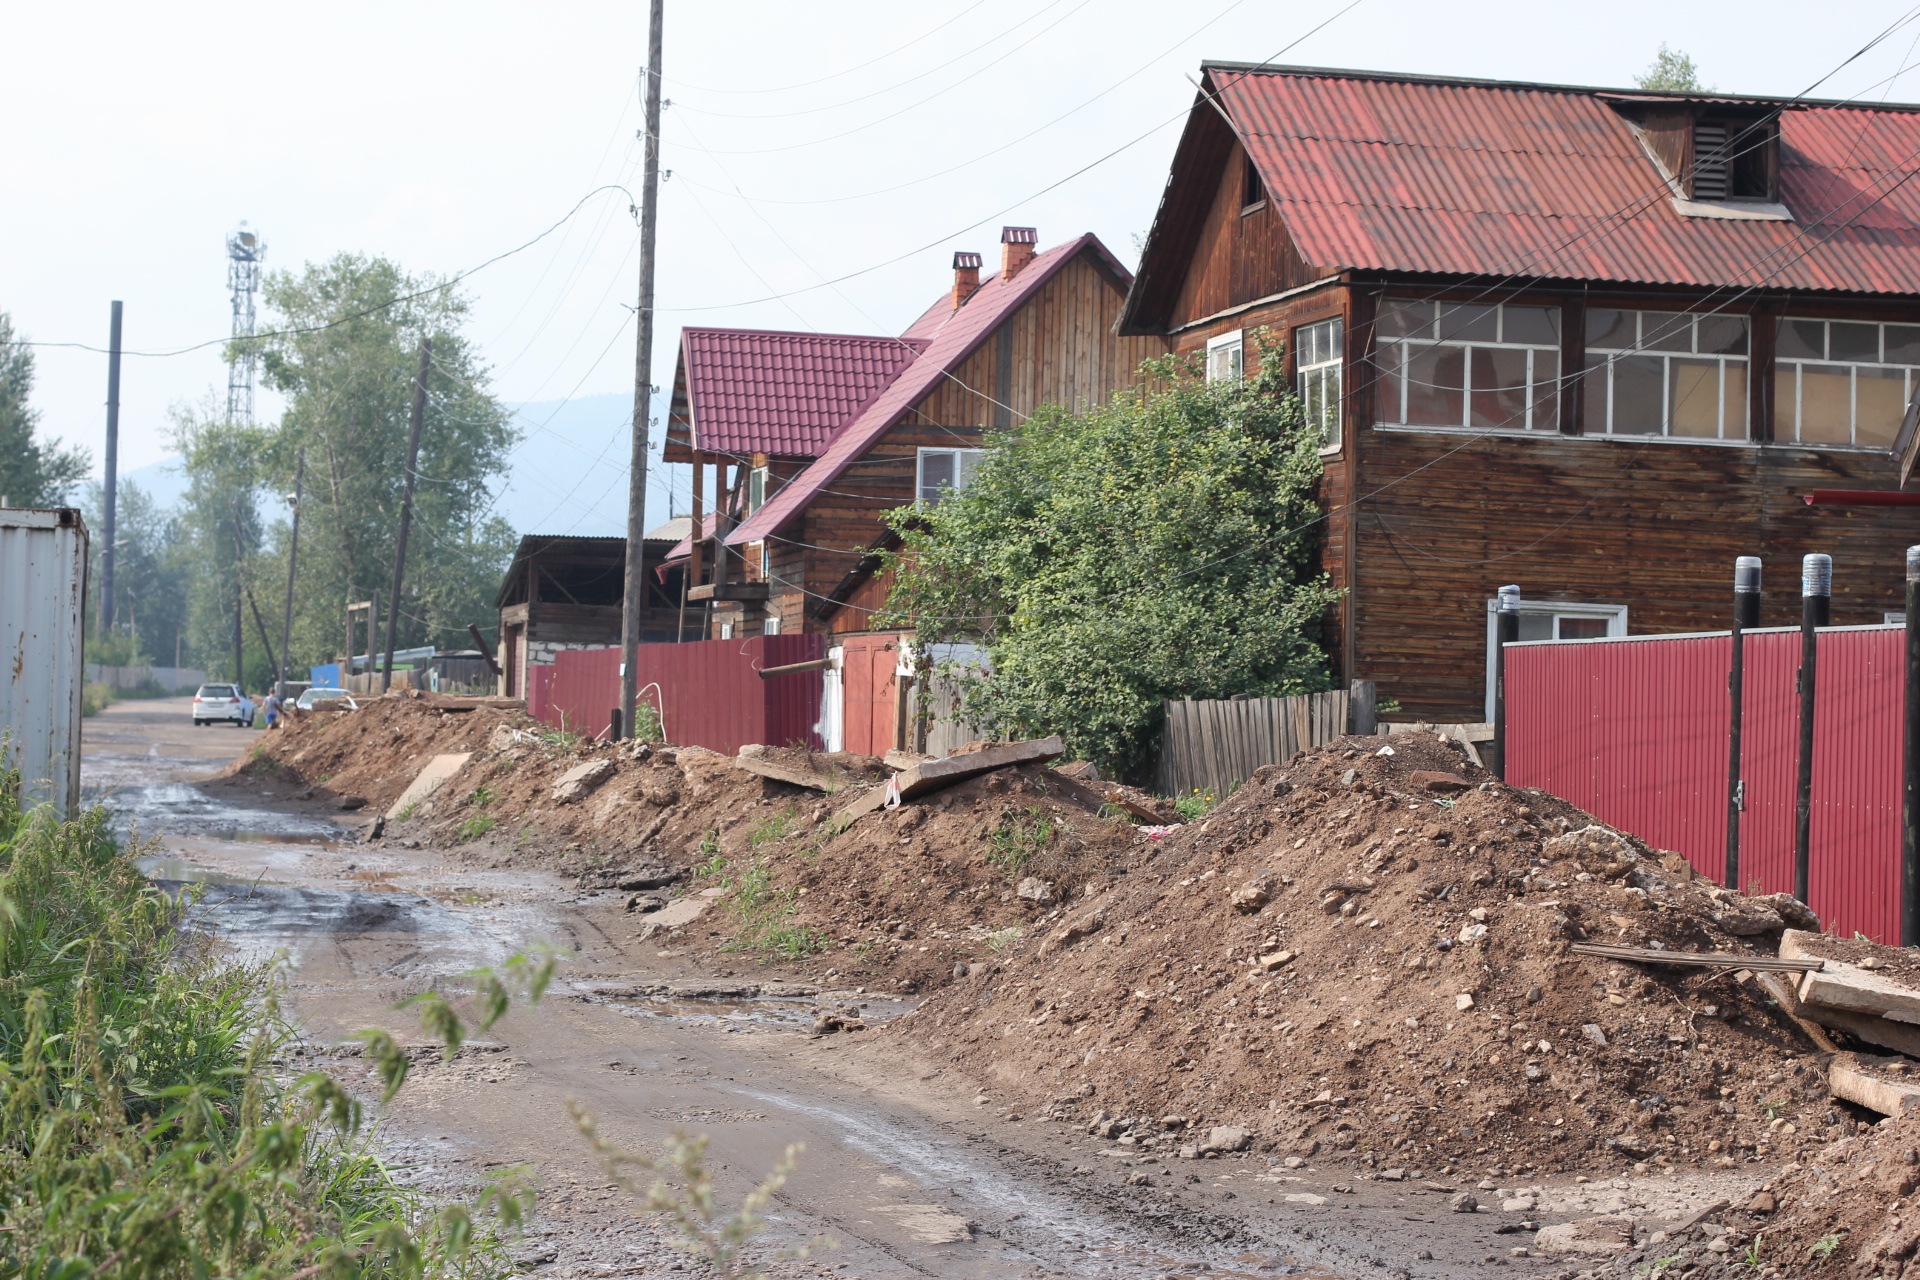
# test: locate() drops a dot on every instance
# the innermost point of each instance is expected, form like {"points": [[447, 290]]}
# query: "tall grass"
{"points": [[147, 1128]]}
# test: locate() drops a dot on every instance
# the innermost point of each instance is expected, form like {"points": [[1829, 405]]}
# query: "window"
{"points": [[1666, 373], [756, 489], [1732, 159], [1843, 381], [942, 469], [1446, 364], [1224, 357], [1316, 358], [1253, 192], [1555, 620]]}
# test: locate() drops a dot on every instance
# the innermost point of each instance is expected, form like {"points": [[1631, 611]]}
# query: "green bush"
{"points": [[145, 1128]]}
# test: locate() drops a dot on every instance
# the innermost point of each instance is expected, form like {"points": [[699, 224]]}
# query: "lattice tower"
{"points": [[245, 252]]}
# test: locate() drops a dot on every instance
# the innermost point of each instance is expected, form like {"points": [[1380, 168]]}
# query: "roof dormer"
{"points": [[1721, 159]]}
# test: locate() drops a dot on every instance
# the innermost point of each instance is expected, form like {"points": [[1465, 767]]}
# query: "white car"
{"points": [[314, 697], [222, 702]]}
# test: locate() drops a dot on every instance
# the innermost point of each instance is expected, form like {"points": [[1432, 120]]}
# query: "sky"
{"points": [[825, 161]]}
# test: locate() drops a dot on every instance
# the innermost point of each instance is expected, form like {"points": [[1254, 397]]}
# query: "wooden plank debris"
{"points": [[1698, 959], [900, 761], [1878, 1031], [781, 773], [933, 775], [1855, 1079], [1838, 985], [1780, 989]]}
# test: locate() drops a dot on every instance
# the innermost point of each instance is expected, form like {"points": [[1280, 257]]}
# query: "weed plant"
{"points": [[146, 1129]]}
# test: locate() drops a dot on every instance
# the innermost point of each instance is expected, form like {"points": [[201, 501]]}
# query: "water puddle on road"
{"points": [[182, 809]]}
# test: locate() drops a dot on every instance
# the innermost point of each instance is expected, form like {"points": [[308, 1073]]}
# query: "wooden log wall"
{"points": [[1214, 746]]}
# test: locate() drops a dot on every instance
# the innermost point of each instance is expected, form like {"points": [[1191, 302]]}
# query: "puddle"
{"points": [[167, 870], [181, 809], [774, 1011], [245, 907]]}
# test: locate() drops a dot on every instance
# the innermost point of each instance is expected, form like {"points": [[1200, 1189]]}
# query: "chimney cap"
{"points": [[966, 262], [1019, 235]]}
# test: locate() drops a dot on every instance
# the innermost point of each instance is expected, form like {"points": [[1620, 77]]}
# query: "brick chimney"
{"points": [[1016, 249], [966, 277]]}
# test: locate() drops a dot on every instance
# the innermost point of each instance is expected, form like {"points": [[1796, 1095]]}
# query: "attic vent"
{"points": [[1712, 167]]}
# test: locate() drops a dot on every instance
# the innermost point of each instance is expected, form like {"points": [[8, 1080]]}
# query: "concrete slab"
{"points": [[429, 780]]}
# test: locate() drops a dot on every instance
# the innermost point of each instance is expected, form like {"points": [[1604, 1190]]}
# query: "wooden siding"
{"points": [[1060, 349], [1239, 256]]}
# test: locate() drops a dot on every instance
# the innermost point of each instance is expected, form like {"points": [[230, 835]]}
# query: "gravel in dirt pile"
{"points": [[1367, 954]]}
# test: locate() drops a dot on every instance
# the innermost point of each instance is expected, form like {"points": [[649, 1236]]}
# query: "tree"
{"points": [[1161, 546], [31, 474], [1672, 72], [345, 356], [151, 580]]}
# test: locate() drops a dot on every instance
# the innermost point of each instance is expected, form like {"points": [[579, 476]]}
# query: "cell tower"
{"points": [[245, 251]]}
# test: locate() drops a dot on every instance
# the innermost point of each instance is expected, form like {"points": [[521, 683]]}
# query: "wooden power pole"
{"points": [[293, 565], [634, 597], [406, 511]]}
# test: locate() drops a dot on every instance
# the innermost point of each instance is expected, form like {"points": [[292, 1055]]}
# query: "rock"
{"points": [[1747, 920], [1465, 1202], [1294, 1162], [1719, 1244], [1790, 909], [1074, 930], [1249, 898], [1273, 960], [1433, 780], [960, 969], [828, 1023], [646, 902], [1228, 1138], [1302, 1197], [1763, 1202], [1393, 1175], [1034, 889], [1600, 851], [1472, 932], [579, 781], [1189, 1152], [752, 750], [350, 803], [1519, 1204], [1463, 1002], [1593, 1032], [674, 915], [1591, 1237]]}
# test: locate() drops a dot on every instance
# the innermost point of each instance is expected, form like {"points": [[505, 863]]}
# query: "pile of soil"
{"points": [[1367, 954]]}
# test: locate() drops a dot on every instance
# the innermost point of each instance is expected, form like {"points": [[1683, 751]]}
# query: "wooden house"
{"points": [[797, 531], [1593, 342], [566, 592]]}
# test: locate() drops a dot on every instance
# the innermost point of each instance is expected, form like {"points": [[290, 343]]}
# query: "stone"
{"points": [[1593, 1032], [1589, 1237], [1472, 932], [1433, 780], [1393, 1175], [1465, 1202], [1302, 1197], [1075, 930], [1034, 889], [1463, 1001], [1228, 1138], [1790, 909], [1519, 1204], [1719, 1244], [1273, 960], [432, 776], [1762, 1202], [960, 969], [1249, 898], [1189, 1152], [1294, 1162], [350, 803], [675, 915], [579, 781]]}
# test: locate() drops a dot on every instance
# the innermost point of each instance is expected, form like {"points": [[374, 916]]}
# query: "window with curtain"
{"points": [[1666, 373], [941, 470], [1448, 364], [1843, 381], [1317, 371]]}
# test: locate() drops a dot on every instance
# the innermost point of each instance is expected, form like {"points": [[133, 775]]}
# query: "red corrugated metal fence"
{"points": [[1634, 730], [709, 692]]}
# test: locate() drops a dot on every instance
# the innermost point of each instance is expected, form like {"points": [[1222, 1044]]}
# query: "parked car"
{"points": [[222, 702], [314, 697]]}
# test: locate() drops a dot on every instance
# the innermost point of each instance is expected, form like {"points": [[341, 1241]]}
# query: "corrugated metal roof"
{"points": [[950, 342], [762, 391], [1459, 177]]}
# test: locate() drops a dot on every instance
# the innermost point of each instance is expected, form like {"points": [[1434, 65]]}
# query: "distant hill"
{"points": [[566, 476]]}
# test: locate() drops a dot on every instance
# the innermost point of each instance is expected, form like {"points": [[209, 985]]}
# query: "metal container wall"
{"points": [[1634, 731], [709, 692], [43, 595]]}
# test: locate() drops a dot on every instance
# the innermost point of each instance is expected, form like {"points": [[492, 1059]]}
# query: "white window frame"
{"points": [[1319, 381], [1599, 363], [1393, 358], [1615, 615], [920, 470], [1910, 382], [756, 489], [1227, 357]]}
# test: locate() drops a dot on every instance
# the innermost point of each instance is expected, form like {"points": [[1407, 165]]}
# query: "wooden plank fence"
{"points": [[1214, 746]]}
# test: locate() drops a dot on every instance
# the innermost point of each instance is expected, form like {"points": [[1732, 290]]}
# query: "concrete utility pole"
{"points": [[406, 508], [113, 469], [293, 564], [634, 598], [239, 604]]}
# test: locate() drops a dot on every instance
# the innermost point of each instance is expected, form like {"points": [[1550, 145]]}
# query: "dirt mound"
{"points": [[1367, 953]]}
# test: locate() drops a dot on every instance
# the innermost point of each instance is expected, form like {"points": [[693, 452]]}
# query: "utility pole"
{"points": [[239, 606], [113, 468], [634, 597], [293, 564], [406, 506]]}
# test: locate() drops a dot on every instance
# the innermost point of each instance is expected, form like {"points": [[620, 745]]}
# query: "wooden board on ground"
{"points": [[1838, 985], [1888, 1035], [1697, 959], [933, 775], [450, 702], [1780, 989], [900, 761], [1869, 1082], [780, 773]]}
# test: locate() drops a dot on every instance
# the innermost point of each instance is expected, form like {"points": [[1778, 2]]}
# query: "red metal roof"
{"points": [[761, 391], [1375, 172], [950, 341]]}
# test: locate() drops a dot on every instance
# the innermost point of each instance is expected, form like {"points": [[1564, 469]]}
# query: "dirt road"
{"points": [[913, 1172]]}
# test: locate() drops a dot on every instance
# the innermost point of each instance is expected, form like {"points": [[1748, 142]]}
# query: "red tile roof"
{"points": [[950, 341], [760, 391], [1372, 171]]}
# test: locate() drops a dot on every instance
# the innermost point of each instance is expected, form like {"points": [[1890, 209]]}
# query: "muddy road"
{"points": [[913, 1172]]}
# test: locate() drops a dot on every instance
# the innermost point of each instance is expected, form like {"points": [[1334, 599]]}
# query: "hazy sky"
{"points": [[807, 142]]}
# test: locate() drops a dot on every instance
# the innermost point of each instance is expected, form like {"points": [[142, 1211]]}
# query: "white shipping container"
{"points": [[43, 605]]}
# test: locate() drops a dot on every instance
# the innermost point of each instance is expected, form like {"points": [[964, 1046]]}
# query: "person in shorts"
{"points": [[272, 706]]}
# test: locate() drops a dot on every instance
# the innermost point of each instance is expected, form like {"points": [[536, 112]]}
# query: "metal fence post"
{"points": [[1816, 600], [1746, 613], [1506, 630]]}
